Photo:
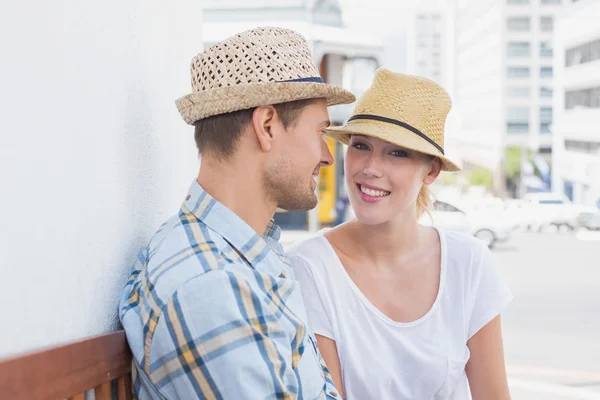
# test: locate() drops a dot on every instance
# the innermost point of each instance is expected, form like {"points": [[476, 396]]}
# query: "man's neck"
{"points": [[238, 186]]}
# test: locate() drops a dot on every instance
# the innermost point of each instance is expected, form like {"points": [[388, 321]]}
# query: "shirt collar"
{"points": [[263, 253]]}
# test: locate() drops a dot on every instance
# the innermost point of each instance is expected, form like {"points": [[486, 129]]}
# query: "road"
{"points": [[552, 328]]}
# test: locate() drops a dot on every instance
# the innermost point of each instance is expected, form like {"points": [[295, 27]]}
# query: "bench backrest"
{"points": [[101, 363]]}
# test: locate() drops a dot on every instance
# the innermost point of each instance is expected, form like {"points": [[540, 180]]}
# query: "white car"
{"points": [[490, 227], [545, 209]]}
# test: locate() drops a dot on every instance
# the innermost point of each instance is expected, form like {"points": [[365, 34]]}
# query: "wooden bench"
{"points": [[101, 363]]}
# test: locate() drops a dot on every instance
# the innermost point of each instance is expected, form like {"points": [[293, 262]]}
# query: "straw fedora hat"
{"points": [[406, 110], [258, 67]]}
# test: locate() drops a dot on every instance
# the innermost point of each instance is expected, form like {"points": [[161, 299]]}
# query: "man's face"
{"points": [[298, 157]]}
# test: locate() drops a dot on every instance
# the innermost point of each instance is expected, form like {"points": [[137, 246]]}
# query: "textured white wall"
{"points": [[93, 155]]}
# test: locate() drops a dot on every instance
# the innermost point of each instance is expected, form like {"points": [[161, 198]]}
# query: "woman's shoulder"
{"points": [[312, 248], [463, 247]]}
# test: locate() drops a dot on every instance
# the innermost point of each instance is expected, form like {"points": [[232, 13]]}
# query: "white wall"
{"points": [[93, 155]]}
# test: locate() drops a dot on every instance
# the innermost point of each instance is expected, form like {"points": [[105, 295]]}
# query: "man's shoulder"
{"points": [[182, 250]]}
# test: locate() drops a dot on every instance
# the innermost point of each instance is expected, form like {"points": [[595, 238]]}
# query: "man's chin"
{"points": [[306, 204]]}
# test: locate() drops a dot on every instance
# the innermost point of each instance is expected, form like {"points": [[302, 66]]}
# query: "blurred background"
{"points": [[94, 155]]}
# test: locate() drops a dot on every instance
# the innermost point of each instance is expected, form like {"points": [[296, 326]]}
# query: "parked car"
{"points": [[553, 209], [590, 220], [490, 227]]}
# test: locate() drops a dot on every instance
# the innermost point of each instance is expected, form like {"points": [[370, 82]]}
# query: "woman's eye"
{"points": [[360, 146], [399, 153]]}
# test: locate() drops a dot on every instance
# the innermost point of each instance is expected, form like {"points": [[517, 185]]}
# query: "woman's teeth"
{"points": [[374, 193]]}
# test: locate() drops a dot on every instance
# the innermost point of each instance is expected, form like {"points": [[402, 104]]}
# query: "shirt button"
{"points": [[334, 394], [188, 197]]}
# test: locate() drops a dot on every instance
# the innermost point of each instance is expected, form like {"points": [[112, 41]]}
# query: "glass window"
{"points": [[518, 91], [595, 97], [545, 49], [595, 50], [441, 206], [544, 127], [518, 24], [551, 1], [517, 1], [551, 202], [517, 114], [518, 72], [545, 114], [577, 98], [518, 49], [586, 52], [514, 127], [547, 24], [545, 91], [546, 72]]}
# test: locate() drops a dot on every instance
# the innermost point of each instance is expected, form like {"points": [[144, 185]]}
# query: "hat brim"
{"points": [[199, 105], [393, 134]]}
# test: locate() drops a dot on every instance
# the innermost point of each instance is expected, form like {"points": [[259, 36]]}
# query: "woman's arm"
{"points": [[328, 350], [486, 370]]}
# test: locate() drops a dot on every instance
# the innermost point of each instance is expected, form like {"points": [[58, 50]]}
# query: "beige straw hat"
{"points": [[406, 110], [253, 68]]}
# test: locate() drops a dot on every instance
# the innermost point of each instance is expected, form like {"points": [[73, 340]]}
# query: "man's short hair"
{"points": [[220, 134]]}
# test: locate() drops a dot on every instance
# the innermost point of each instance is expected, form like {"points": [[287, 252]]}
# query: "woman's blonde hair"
{"points": [[423, 201]]}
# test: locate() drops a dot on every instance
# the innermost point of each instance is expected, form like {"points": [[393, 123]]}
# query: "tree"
{"points": [[481, 177]]}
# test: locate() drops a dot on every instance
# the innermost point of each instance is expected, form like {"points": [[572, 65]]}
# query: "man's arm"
{"points": [[218, 339]]}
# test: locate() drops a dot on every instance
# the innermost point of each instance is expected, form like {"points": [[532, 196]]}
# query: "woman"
{"points": [[400, 310]]}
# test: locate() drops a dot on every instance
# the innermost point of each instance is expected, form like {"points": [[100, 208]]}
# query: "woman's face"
{"points": [[384, 179]]}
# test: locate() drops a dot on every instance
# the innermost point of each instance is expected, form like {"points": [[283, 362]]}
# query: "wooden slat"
{"points": [[103, 392], [80, 396], [66, 370], [124, 386]]}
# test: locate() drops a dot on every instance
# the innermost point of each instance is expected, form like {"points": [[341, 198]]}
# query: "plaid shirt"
{"points": [[212, 311]]}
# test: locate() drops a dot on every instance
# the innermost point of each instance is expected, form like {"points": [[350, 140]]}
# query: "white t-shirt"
{"points": [[383, 359]]}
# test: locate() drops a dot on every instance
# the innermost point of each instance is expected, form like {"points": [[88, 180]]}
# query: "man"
{"points": [[212, 310]]}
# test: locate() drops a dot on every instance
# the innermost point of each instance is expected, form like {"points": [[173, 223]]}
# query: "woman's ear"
{"points": [[435, 168]]}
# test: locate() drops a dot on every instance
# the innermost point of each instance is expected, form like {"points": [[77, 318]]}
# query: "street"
{"points": [[552, 328]]}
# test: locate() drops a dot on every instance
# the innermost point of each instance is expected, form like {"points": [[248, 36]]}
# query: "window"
{"points": [[589, 98], [551, 1], [546, 72], [518, 91], [551, 202], [545, 91], [518, 24], [517, 1], [518, 49], [544, 127], [517, 72], [545, 49], [584, 53], [545, 114], [547, 24], [514, 127], [517, 114], [441, 206], [581, 146]]}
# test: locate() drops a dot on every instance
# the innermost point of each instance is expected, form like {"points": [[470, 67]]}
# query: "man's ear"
{"points": [[264, 120], [434, 171]]}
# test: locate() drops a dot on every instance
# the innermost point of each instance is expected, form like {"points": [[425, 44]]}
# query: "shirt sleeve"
{"points": [[490, 293], [219, 337], [316, 301]]}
